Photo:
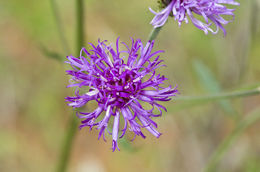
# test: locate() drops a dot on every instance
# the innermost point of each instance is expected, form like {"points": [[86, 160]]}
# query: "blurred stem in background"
{"points": [[72, 128], [57, 18], [220, 96], [225, 145], [66, 50], [80, 25], [184, 102], [67, 144], [254, 18]]}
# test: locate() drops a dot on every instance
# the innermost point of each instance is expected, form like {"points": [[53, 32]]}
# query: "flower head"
{"points": [[210, 10], [119, 81]]}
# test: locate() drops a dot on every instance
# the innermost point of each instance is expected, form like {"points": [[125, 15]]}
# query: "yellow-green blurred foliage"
{"points": [[34, 116]]}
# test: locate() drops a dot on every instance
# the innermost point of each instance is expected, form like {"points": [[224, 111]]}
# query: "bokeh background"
{"points": [[34, 116]]}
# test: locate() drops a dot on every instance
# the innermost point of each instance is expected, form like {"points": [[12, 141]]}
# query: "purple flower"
{"points": [[208, 9], [119, 81]]}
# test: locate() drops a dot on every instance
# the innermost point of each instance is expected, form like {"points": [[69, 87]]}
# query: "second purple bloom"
{"points": [[210, 10]]}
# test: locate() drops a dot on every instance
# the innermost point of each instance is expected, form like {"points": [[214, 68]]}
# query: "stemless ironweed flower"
{"points": [[118, 81], [208, 9]]}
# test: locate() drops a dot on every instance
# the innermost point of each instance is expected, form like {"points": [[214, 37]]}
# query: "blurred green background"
{"points": [[34, 116]]}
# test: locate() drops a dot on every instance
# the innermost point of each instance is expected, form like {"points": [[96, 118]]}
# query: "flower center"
{"points": [[121, 85]]}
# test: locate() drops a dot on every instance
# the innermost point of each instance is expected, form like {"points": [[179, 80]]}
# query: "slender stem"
{"points": [[58, 22], [254, 18], [67, 144], [72, 129], [225, 145], [80, 25], [154, 33], [220, 96]]}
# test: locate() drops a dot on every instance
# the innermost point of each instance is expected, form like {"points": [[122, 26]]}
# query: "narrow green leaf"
{"points": [[210, 84]]}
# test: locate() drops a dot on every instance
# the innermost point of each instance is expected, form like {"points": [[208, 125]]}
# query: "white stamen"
{"points": [[112, 99], [109, 60], [108, 110], [92, 93], [73, 104], [126, 67], [120, 71], [115, 78], [102, 77], [137, 79]]}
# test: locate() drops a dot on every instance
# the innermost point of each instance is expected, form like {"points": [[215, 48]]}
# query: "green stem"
{"points": [[67, 144], [225, 145], [60, 27], [220, 96], [72, 129], [154, 33], [80, 25]]}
